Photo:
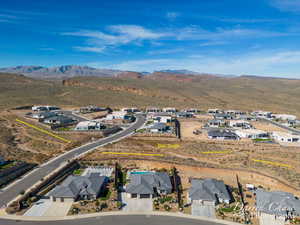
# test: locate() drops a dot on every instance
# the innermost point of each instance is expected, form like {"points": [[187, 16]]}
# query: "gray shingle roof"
{"points": [[209, 190], [145, 183], [159, 126], [276, 202], [76, 185], [222, 133]]}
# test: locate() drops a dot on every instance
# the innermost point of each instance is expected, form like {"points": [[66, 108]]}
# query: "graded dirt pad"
{"points": [[20, 142], [268, 127], [234, 155]]}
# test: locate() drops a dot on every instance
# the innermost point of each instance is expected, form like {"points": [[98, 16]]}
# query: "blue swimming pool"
{"points": [[141, 172]]}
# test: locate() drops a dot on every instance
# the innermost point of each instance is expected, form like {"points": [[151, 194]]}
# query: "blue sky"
{"points": [[256, 37]]}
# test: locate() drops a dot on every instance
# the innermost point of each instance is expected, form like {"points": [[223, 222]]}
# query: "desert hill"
{"points": [[247, 93]]}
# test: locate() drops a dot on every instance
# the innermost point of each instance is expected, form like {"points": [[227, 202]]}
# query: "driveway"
{"points": [[136, 205], [45, 207], [203, 210], [266, 219]]}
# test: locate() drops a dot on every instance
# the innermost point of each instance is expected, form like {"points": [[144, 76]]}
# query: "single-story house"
{"points": [[277, 203], [91, 109], [79, 188], [252, 133], [240, 124], [262, 114], [216, 123], [223, 116], [43, 114], [153, 110], [158, 128], [116, 115], [130, 110], [59, 120], [285, 137], [234, 112], [222, 135], [148, 184], [208, 190], [169, 110], [192, 110], [89, 125], [284, 117], [293, 123], [162, 118], [184, 115], [45, 108], [214, 111]]}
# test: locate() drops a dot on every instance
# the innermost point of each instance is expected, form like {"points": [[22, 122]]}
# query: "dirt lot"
{"points": [[266, 126], [19, 142], [216, 155]]}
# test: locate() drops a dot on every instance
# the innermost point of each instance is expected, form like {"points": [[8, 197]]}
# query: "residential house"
{"points": [[240, 124], [222, 135], [277, 203], [162, 118], [148, 184], [216, 123], [79, 188], [208, 191], [293, 123], [116, 115], [45, 108], [252, 133], [59, 120], [91, 109], [223, 116], [184, 115], [43, 114], [284, 117], [89, 125], [214, 111], [159, 128], [169, 110], [234, 112], [130, 110], [285, 137], [153, 110], [193, 111], [262, 114]]}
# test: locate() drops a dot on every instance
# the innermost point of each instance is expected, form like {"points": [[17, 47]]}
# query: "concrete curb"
{"points": [[98, 215]]}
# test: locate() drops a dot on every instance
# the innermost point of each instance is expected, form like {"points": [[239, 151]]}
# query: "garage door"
{"points": [[145, 196]]}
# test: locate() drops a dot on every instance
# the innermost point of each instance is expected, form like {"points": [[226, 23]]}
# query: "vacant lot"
{"points": [[18, 141], [234, 155]]}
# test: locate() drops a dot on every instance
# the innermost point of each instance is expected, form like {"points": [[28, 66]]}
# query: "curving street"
{"points": [[13, 190], [115, 220]]}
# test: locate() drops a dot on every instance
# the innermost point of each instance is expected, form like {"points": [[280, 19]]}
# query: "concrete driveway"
{"points": [[266, 219], [45, 207], [136, 205], [203, 210]]}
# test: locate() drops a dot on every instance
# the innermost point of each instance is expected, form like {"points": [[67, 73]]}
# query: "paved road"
{"points": [[10, 193], [282, 126], [115, 220]]}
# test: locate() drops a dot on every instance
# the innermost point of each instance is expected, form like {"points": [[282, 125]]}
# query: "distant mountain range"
{"points": [[60, 71], [69, 71]]}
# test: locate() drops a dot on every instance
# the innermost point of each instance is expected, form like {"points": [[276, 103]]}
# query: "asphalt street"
{"points": [[116, 220], [10, 193], [282, 126]]}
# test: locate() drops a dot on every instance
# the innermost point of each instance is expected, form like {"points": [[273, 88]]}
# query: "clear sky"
{"points": [[255, 37]]}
